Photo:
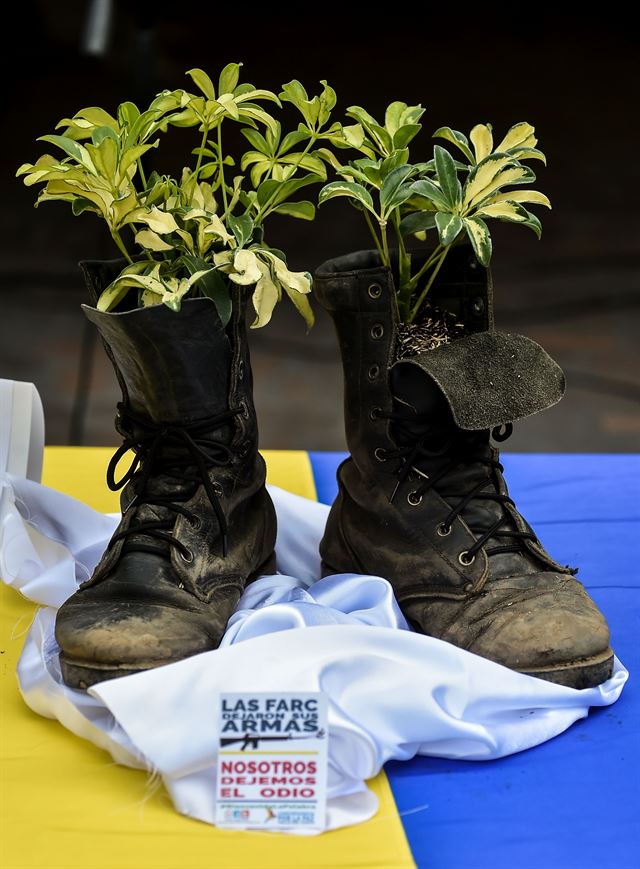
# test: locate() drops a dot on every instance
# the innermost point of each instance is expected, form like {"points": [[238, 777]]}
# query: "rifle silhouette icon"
{"points": [[251, 740]]}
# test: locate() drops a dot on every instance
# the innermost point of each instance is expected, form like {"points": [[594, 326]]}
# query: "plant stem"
{"points": [[435, 271], [385, 244], [143, 177], [374, 234], [264, 210], [221, 165], [202, 147], [413, 283], [115, 235], [404, 267]]}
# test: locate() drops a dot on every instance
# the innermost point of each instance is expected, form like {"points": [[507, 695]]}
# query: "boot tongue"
{"points": [[425, 414]]}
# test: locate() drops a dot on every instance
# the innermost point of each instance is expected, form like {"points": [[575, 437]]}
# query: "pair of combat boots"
{"points": [[422, 500]]}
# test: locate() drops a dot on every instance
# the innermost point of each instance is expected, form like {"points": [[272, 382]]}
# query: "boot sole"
{"points": [[81, 675], [585, 673]]}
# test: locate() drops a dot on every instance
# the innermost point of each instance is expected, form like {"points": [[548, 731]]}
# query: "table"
{"points": [[571, 802]]}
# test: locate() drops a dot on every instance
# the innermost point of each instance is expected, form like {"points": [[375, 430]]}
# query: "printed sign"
{"points": [[272, 762]]}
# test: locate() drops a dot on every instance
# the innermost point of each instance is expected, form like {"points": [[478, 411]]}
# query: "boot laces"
{"points": [[181, 452], [439, 442]]}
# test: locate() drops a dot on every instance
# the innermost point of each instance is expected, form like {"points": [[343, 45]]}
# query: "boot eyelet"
{"points": [[444, 530], [464, 559], [477, 306], [414, 499], [196, 523], [375, 291], [380, 454], [373, 372], [377, 331], [473, 264], [186, 557], [374, 413]]}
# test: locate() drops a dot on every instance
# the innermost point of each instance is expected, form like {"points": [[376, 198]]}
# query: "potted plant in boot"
{"points": [[428, 383], [197, 523]]}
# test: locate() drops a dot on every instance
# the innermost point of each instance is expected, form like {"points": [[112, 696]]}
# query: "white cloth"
{"points": [[392, 693]]}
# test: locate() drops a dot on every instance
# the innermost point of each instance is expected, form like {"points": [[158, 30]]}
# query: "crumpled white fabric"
{"points": [[392, 693]]}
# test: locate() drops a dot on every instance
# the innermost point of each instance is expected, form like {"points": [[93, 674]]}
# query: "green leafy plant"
{"points": [[204, 232], [450, 197]]}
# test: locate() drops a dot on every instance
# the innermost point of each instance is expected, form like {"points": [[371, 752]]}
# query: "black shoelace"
{"points": [[463, 451], [183, 452]]}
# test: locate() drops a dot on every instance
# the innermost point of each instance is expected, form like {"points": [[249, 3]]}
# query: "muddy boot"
{"points": [[197, 522], [422, 500]]}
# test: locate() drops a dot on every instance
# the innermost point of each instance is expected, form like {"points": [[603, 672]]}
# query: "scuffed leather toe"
{"points": [[143, 635], [543, 624]]}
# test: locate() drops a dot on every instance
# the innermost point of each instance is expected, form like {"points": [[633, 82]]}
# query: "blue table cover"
{"points": [[573, 801]]}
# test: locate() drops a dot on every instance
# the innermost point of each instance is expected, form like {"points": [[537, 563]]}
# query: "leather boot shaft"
{"points": [[358, 293], [197, 521]]}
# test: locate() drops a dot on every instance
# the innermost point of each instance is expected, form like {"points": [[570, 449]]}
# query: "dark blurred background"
{"points": [[574, 76]]}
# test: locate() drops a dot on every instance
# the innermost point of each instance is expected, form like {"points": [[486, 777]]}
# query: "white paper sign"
{"points": [[272, 761]]}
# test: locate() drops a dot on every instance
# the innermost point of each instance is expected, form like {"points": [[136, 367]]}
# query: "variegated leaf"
{"points": [[228, 79], [505, 210], [456, 138], [532, 196], [429, 190], [528, 154], [449, 227], [482, 175], [512, 212], [73, 149], [118, 288], [253, 113], [480, 238], [303, 210], [104, 158], [195, 277], [245, 268], [509, 175], [149, 299], [301, 304], [353, 135], [97, 117], [216, 227], [150, 240], [121, 207], [393, 117], [482, 141], [395, 190], [187, 240], [418, 222], [132, 155], [518, 135], [448, 177], [349, 189], [229, 104], [157, 220], [265, 296], [297, 285]]}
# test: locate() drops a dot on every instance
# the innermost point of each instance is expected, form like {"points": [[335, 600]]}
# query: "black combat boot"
{"points": [[422, 500], [197, 522]]}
